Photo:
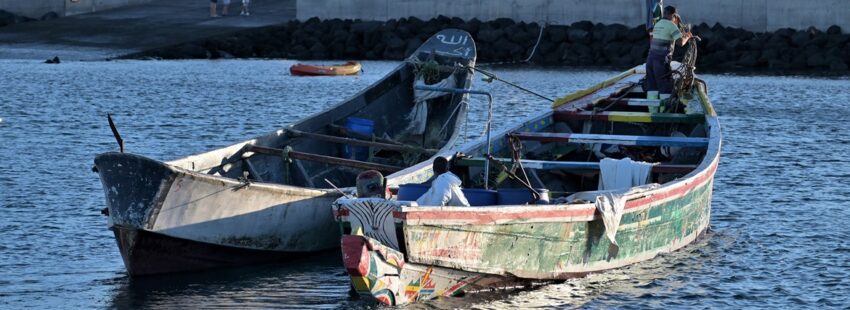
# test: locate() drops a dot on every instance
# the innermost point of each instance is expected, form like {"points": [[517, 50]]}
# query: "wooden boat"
{"points": [[398, 253], [266, 198], [348, 68]]}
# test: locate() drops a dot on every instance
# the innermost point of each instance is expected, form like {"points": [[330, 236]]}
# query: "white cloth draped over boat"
{"points": [[418, 117], [617, 179], [445, 191]]}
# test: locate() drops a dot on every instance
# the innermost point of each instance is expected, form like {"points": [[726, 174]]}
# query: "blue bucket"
{"points": [[521, 196], [481, 197], [411, 192], [362, 126]]}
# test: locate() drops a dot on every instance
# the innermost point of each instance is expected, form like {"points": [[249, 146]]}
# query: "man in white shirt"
{"points": [[445, 188]]}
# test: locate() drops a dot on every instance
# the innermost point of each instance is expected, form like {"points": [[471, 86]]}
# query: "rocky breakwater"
{"points": [[9, 18], [504, 40]]}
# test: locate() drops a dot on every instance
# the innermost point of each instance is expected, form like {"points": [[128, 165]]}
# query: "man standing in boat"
{"points": [[445, 188], [665, 33]]}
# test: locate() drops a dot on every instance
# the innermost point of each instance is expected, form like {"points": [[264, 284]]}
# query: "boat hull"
{"points": [[350, 68], [457, 250], [149, 253], [227, 216]]}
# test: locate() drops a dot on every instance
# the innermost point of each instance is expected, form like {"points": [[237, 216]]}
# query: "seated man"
{"points": [[445, 189]]}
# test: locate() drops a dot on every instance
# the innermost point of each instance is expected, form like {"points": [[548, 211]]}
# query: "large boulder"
{"points": [[578, 35], [489, 35], [800, 38], [49, 16], [834, 29], [557, 34], [836, 64]]}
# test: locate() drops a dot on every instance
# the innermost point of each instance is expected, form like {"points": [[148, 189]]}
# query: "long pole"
{"points": [[489, 118]]}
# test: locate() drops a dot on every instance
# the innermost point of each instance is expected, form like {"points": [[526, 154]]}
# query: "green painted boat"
{"points": [[398, 253]]}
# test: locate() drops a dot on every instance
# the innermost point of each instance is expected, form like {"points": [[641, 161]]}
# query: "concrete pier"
{"points": [[752, 15], [132, 29]]}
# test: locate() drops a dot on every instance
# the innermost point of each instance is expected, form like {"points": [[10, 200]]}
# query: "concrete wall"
{"points": [[753, 15], [37, 8]]}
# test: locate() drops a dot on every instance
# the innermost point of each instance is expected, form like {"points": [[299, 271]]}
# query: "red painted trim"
{"points": [[487, 217]]}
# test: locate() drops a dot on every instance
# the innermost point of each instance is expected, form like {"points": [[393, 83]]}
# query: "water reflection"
{"points": [[317, 282]]}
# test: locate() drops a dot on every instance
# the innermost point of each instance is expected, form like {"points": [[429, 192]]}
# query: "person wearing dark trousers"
{"points": [[665, 33]]}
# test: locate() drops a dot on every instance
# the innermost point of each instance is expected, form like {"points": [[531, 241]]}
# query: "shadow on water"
{"points": [[316, 282]]}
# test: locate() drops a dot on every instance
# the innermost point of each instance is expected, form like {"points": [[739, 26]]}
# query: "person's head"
{"points": [[441, 165], [670, 12], [370, 183]]}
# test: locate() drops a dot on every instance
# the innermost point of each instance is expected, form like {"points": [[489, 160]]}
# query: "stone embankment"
{"points": [[503, 40], [8, 18]]}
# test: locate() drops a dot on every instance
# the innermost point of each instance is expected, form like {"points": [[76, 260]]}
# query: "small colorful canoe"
{"points": [[348, 68], [399, 253]]}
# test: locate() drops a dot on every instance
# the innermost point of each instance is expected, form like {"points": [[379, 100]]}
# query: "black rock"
{"points": [[393, 41], [522, 37], [732, 45], [779, 65], [785, 32], [472, 26], [776, 40], [637, 34], [800, 38], [578, 35], [412, 45], [489, 35], [557, 34], [718, 28], [837, 40], [49, 16], [837, 65], [363, 27], [54, 60], [816, 60], [299, 52], [818, 40], [750, 59], [504, 22], [583, 25], [638, 51], [769, 54], [834, 29]]}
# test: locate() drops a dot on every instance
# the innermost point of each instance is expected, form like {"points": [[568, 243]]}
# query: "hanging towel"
{"points": [[418, 117], [610, 204], [618, 175], [623, 173]]}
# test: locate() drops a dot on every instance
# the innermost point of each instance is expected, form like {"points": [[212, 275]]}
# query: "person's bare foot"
{"points": [[215, 16]]}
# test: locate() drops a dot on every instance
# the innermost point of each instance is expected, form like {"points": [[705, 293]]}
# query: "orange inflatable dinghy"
{"points": [[349, 68]]}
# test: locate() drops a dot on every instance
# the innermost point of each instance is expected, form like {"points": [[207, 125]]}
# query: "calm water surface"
{"points": [[779, 235]]}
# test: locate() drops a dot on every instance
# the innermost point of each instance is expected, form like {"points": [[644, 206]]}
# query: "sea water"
{"points": [[779, 234]]}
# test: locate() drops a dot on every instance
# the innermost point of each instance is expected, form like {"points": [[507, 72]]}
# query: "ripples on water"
{"points": [[779, 236]]}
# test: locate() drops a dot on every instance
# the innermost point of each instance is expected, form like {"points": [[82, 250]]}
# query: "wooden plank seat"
{"points": [[629, 102], [323, 159], [572, 165], [631, 117], [612, 139]]}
